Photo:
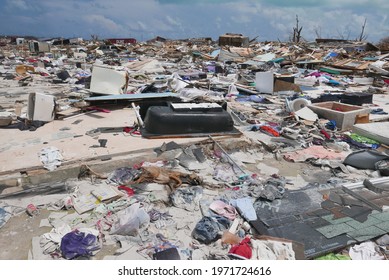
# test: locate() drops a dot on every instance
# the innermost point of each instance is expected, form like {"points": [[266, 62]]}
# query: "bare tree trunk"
{"points": [[318, 32], [297, 31], [362, 36]]}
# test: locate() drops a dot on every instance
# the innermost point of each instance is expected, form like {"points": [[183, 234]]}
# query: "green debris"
{"points": [[333, 256], [362, 139]]}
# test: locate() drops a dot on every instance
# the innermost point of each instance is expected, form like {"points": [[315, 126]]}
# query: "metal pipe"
{"points": [[361, 198], [140, 121], [228, 156]]}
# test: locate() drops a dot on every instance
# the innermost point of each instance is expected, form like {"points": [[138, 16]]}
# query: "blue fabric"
{"points": [[331, 125], [208, 228], [378, 111], [333, 82], [75, 244]]}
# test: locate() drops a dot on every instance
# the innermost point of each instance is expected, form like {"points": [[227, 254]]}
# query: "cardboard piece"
{"points": [[24, 69], [88, 202], [281, 85], [306, 114]]}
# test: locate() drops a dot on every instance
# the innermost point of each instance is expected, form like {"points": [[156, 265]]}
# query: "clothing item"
{"points": [[76, 244], [242, 250], [187, 198], [365, 251], [314, 152], [272, 250], [208, 228], [223, 209]]}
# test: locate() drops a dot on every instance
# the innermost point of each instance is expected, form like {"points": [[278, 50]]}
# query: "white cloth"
{"points": [[50, 157], [51, 241], [271, 250], [365, 251]]}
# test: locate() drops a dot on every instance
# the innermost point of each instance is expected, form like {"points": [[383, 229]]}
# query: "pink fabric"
{"points": [[224, 209], [314, 152]]}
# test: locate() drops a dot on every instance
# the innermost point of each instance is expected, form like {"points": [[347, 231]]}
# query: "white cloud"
{"points": [[245, 8], [241, 19], [17, 4], [172, 21], [102, 22], [141, 25], [218, 22], [160, 25], [384, 19]]}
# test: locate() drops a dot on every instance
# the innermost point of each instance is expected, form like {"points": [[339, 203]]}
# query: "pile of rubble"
{"points": [[290, 161]]}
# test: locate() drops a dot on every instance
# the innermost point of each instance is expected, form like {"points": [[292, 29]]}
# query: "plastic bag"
{"points": [[131, 220]]}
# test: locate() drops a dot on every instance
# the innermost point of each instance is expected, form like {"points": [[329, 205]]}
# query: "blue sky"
{"points": [[174, 19]]}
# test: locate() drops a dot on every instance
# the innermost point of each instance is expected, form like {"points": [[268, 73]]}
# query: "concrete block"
{"points": [[378, 131], [345, 115]]}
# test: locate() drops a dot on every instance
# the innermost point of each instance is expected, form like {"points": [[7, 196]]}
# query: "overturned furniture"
{"points": [[186, 120]]}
